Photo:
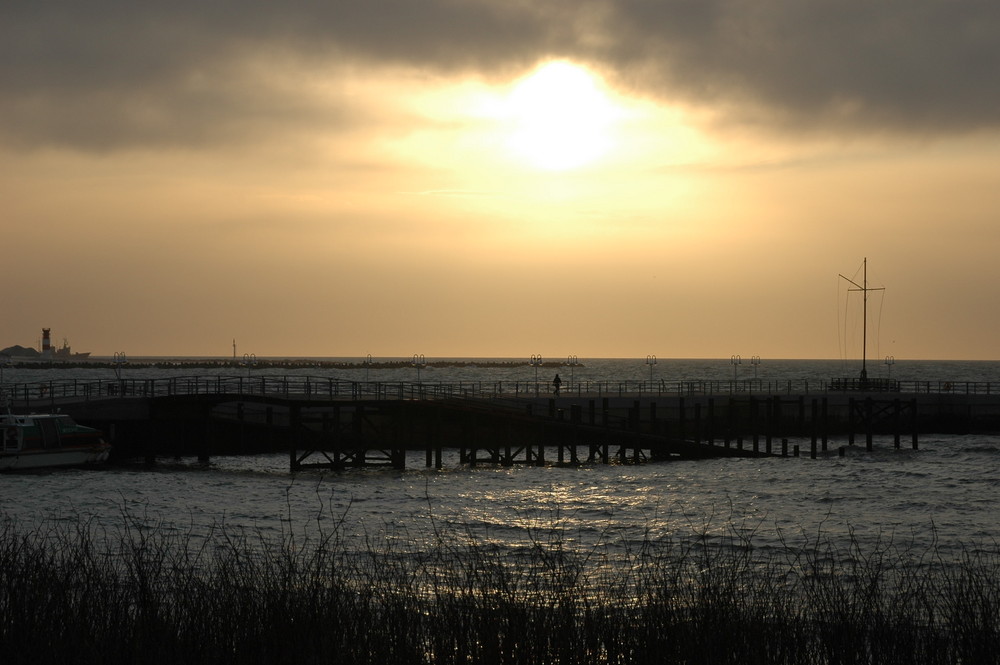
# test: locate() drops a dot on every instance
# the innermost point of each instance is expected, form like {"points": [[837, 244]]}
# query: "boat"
{"points": [[48, 352], [43, 440], [63, 353], [66, 353]]}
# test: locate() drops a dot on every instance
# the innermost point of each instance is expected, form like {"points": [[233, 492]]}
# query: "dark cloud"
{"points": [[108, 74], [916, 65]]}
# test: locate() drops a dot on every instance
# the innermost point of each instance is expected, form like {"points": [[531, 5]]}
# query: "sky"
{"points": [[502, 178]]}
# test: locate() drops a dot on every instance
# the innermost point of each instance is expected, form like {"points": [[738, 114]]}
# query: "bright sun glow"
{"points": [[560, 117]]}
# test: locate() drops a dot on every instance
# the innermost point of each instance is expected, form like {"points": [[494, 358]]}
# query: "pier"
{"points": [[328, 423]]}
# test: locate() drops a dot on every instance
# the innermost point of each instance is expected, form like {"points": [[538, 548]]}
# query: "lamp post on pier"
{"points": [[889, 362], [419, 362], [249, 361], [119, 360], [755, 361], [651, 361], [736, 360], [536, 362], [572, 362], [368, 364]]}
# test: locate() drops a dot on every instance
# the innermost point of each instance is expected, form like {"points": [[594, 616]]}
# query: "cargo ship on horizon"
{"points": [[48, 351]]}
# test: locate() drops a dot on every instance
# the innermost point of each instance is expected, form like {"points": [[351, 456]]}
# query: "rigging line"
{"points": [[844, 333], [847, 305], [878, 325], [840, 333], [844, 339], [850, 327]]}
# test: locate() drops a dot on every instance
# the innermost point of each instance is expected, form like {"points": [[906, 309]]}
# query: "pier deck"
{"points": [[338, 424]]}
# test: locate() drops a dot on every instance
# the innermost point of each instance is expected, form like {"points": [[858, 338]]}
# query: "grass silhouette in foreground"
{"points": [[76, 592]]}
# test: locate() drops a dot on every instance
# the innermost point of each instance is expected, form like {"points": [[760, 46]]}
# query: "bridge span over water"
{"points": [[338, 424]]}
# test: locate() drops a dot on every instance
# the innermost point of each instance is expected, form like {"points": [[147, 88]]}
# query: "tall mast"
{"points": [[863, 288]]}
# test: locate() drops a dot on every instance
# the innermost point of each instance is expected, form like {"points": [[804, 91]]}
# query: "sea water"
{"points": [[943, 495]]}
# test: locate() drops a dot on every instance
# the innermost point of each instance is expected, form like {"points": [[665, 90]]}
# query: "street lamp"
{"points": [[889, 362], [736, 360], [419, 362], [572, 362], [249, 361], [368, 364], [119, 360], [755, 361], [650, 360], [536, 362]]}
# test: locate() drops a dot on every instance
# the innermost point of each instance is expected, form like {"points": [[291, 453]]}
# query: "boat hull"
{"points": [[57, 457]]}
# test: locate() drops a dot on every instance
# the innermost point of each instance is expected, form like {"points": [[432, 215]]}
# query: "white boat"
{"points": [[37, 441]]}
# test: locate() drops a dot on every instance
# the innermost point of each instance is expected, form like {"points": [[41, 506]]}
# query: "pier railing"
{"points": [[304, 387]]}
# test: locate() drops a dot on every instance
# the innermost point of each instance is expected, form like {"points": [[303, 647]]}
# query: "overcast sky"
{"points": [[346, 178]]}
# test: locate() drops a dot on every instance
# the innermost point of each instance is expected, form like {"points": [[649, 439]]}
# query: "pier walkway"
{"points": [[337, 424]]}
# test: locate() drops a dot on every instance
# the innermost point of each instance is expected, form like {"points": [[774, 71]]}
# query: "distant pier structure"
{"points": [[326, 423]]}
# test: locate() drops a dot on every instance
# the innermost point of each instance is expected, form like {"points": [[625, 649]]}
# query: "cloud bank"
{"points": [[109, 75]]}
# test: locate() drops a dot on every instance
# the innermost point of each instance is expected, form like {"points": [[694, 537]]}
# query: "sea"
{"points": [[942, 496]]}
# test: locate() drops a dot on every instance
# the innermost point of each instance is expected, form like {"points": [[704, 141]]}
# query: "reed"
{"points": [[142, 592]]}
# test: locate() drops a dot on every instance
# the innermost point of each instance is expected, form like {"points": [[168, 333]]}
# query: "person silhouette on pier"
{"points": [[556, 384]]}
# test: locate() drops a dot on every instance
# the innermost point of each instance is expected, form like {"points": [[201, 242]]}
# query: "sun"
{"points": [[559, 117]]}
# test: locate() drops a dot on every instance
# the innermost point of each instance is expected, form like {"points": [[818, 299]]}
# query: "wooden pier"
{"points": [[337, 425]]}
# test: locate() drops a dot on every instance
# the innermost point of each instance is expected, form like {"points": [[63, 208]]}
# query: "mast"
{"points": [[863, 288]]}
